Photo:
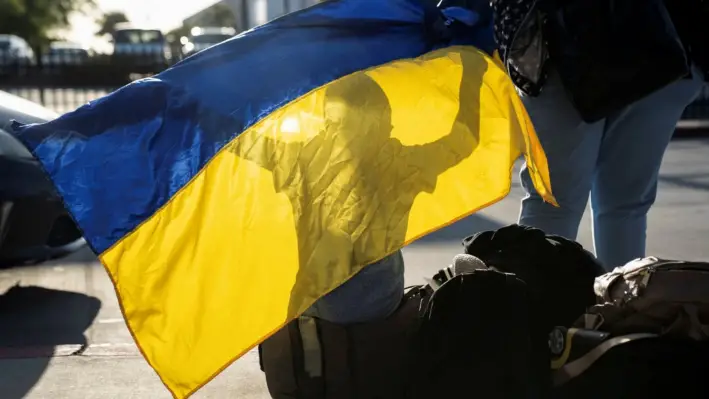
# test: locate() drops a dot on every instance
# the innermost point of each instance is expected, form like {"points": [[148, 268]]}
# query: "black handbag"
{"points": [[611, 53]]}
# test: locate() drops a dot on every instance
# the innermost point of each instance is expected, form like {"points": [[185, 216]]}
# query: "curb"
{"points": [[692, 127]]}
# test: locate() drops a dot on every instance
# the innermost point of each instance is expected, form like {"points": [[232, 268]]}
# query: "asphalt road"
{"points": [[75, 306]]}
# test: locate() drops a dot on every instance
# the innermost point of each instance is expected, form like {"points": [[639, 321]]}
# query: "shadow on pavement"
{"points": [[33, 321], [82, 256], [695, 181], [698, 134], [461, 229]]}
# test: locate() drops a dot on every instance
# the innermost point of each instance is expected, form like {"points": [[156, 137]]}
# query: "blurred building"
{"points": [[245, 14], [221, 13], [261, 11]]}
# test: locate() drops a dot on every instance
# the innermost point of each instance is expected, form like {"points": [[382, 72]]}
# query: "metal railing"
{"points": [[65, 80]]}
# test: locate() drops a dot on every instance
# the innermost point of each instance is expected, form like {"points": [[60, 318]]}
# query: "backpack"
{"points": [[475, 340], [651, 295], [650, 326], [559, 272]]}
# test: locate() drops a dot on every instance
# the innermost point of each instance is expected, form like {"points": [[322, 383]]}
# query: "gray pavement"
{"points": [[74, 345]]}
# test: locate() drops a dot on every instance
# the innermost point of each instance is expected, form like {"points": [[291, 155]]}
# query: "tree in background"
{"points": [[36, 20], [109, 21]]}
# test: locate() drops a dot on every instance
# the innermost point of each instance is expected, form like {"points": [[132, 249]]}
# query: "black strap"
{"points": [[260, 358]]}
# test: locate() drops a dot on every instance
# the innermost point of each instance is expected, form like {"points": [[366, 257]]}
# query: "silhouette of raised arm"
{"points": [[263, 149], [451, 149]]}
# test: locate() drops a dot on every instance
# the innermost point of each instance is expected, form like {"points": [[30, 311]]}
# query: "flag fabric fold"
{"points": [[228, 193]]}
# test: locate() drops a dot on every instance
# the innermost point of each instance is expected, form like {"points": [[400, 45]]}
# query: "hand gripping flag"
{"points": [[228, 193]]}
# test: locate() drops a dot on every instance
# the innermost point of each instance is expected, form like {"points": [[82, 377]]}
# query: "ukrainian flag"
{"points": [[228, 193]]}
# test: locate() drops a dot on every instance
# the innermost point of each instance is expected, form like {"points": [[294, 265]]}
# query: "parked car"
{"points": [[15, 54], [202, 38], [141, 50], [34, 224], [65, 53]]}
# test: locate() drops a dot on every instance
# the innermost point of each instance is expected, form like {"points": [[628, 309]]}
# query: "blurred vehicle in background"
{"points": [[15, 54], [201, 38], [65, 53], [34, 225], [62, 56], [142, 50]]}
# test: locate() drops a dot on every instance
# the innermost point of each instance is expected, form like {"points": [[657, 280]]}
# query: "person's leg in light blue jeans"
{"points": [[370, 295], [571, 147], [625, 185], [616, 160]]}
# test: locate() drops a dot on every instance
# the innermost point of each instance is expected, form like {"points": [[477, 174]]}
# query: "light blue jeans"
{"points": [[616, 160], [372, 294]]}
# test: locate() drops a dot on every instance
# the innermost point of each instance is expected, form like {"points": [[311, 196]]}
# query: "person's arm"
{"points": [[453, 148], [449, 150], [262, 149], [464, 134]]}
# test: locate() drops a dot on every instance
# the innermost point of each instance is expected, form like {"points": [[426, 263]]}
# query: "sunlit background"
{"points": [[165, 15], [63, 53], [68, 52]]}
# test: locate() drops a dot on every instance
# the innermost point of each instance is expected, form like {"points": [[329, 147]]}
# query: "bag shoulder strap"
{"points": [[575, 368], [292, 361]]}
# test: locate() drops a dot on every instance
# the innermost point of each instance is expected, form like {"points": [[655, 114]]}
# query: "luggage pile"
{"points": [[521, 314]]}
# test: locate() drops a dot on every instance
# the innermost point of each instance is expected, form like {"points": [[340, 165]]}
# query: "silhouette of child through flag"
{"points": [[352, 185]]}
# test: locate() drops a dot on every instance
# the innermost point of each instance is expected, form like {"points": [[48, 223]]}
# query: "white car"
{"points": [[34, 224], [15, 54], [65, 53], [142, 50]]}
